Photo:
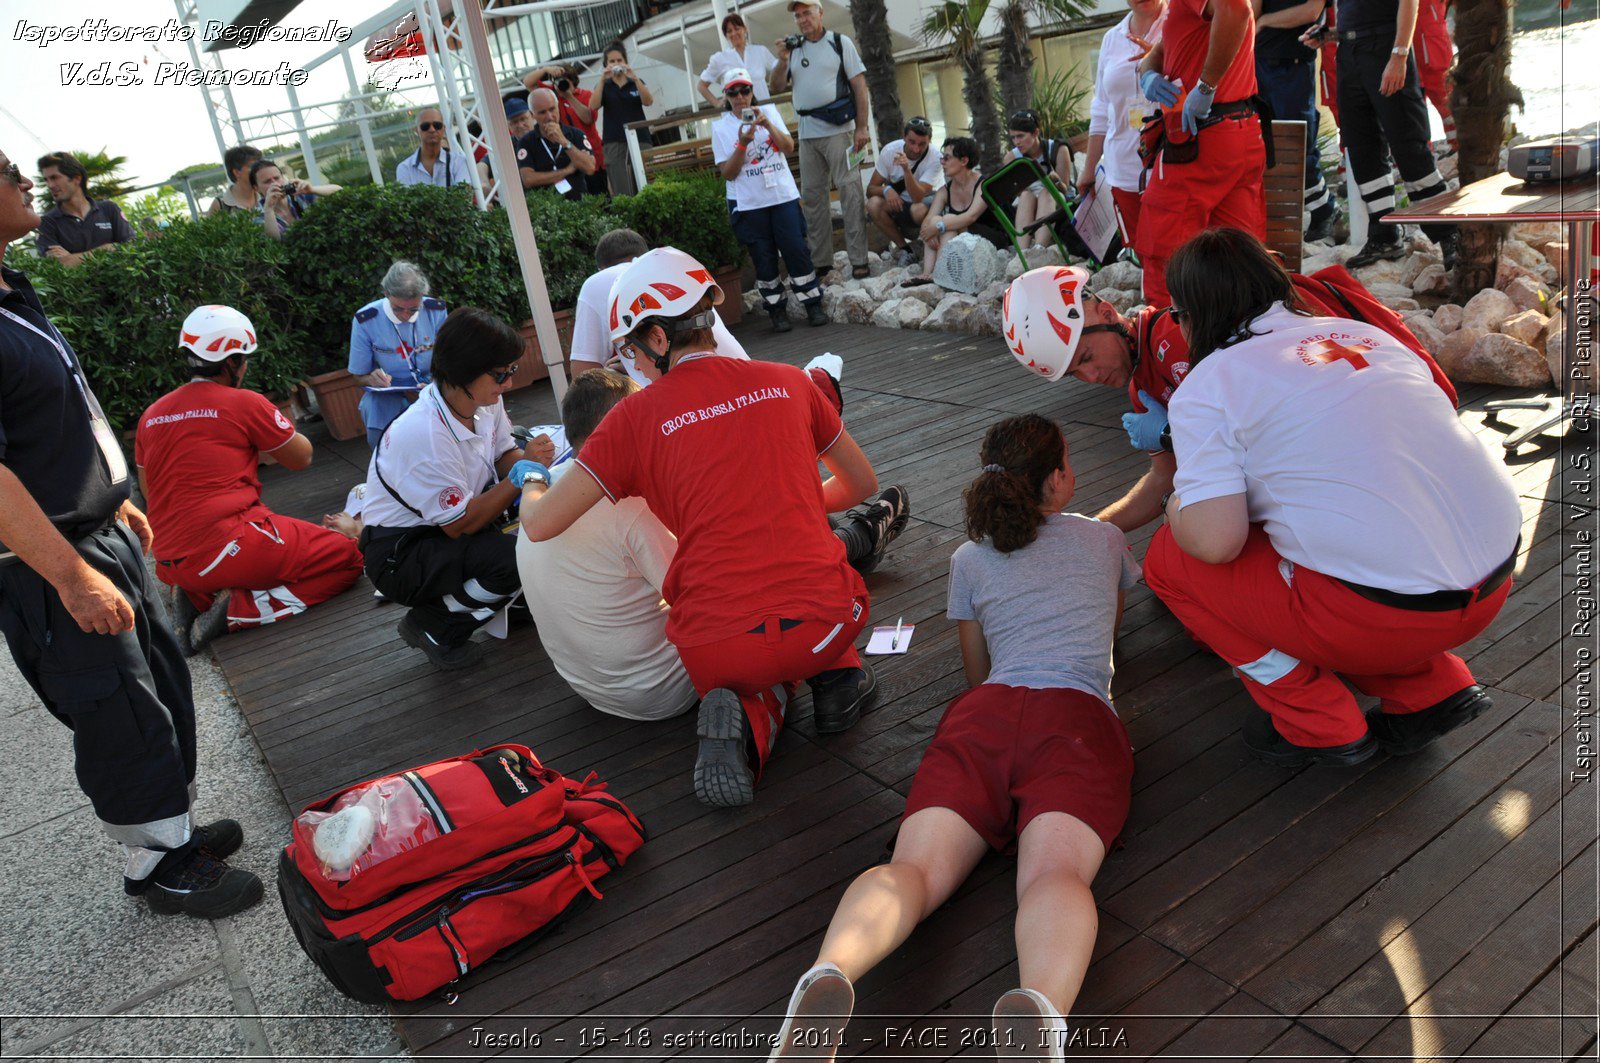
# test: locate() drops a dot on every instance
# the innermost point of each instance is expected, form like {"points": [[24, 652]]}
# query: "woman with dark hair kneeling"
{"points": [[1032, 759], [1331, 518], [725, 452], [440, 478]]}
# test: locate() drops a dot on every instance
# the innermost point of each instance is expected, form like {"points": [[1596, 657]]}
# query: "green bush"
{"points": [[122, 307], [566, 233], [689, 211]]}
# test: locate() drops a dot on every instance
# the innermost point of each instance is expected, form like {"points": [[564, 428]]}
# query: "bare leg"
{"points": [[930, 255], [1027, 210], [934, 854], [878, 211], [1057, 858]]}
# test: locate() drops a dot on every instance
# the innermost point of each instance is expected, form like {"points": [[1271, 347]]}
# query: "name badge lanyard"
{"points": [[116, 464], [408, 352], [447, 417]]}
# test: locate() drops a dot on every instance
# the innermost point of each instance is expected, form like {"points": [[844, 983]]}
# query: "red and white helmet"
{"points": [[663, 283], [214, 333], [1043, 320]]}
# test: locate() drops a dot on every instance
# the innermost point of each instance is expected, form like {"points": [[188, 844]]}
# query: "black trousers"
{"points": [[125, 697], [1376, 127], [453, 586]]}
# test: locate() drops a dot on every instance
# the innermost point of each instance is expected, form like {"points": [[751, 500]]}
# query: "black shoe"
{"points": [[183, 617], [1321, 227], [199, 884], [1261, 737], [221, 839], [209, 624], [1449, 247], [1401, 734], [815, 315], [1378, 251], [722, 774], [884, 520], [838, 696], [445, 658], [780, 318]]}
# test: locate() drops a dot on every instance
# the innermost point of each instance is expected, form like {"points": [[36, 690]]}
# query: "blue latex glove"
{"points": [[523, 469], [1144, 429], [1196, 106], [1158, 89]]}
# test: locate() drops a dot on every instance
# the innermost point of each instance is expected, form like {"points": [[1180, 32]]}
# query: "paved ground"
{"points": [[86, 972]]}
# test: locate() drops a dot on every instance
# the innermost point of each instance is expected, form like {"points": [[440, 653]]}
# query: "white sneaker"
{"points": [[829, 363], [1026, 1027], [819, 1008]]}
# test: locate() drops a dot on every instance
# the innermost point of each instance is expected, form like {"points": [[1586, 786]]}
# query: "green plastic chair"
{"points": [[1001, 189]]}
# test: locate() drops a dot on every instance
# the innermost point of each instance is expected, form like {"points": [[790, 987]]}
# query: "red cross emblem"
{"points": [[1327, 352]]}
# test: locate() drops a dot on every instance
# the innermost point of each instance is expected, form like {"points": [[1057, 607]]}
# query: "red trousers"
{"points": [[1435, 55], [1292, 633], [275, 566], [763, 666], [1127, 203], [1223, 187]]}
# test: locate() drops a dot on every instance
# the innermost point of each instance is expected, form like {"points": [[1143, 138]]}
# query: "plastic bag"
{"points": [[368, 826]]}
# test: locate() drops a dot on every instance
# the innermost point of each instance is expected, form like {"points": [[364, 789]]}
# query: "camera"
{"points": [[747, 115], [563, 84], [289, 187], [618, 70], [793, 41]]}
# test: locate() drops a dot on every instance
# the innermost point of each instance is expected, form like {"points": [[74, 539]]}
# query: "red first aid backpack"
{"points": [[468, 856]]}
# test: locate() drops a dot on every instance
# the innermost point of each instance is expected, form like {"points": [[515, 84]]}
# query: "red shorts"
{"points": [[1002, 755]]}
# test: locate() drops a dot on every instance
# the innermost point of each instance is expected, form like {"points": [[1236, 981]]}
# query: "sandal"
{"points": [[914, 281], [861, 272]]}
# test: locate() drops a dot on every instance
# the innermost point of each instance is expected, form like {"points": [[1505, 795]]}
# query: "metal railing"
{"points": [[587, 30]]}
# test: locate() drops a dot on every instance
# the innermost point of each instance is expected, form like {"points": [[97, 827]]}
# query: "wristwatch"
{"points": [[1401, 51], [939, 225]]}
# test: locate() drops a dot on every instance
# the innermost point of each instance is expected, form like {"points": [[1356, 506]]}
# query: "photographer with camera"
{"points": [[830, 94], [623, 98], [577, 109], [751, 147], [283, 199]]}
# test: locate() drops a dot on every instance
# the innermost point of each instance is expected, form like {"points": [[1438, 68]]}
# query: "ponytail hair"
{"points": [[1018, 455]]}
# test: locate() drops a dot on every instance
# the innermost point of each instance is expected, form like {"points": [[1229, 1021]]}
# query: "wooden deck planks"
{"points": [[1248, 906]]}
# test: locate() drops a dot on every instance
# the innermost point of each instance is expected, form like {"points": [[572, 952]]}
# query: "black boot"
{"points": [[780, 318], [1321, 227], [1261, 737], [1401, 734], [838, 696]]}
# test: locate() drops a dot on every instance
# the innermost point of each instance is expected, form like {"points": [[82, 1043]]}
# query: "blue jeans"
{"points": [[771, 232], [1291, 89]]}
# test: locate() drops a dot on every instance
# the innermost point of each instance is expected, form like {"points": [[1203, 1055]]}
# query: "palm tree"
{"points": [[104, 180], [1482, 101], [871, 20], [956, 24], [1015, 59]]}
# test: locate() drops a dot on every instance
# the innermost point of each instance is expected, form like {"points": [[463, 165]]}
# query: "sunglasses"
{"points": [[920, 126], [501, 376], [1024, 121], [427, 127], [740, 90], [1178, 314]]}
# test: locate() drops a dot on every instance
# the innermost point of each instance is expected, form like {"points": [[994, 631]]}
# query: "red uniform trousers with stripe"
{"points": [[763, 666], [275, 566], [1293, 633], [1223, 187]]}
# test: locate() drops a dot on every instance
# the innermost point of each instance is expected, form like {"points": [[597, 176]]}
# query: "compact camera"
{"points": [[289, 187], [793, 41], [617, 71], [563, 84], [747, 115]]}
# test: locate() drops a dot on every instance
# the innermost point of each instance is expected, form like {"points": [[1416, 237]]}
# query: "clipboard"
{"points": [[1096, 220]]}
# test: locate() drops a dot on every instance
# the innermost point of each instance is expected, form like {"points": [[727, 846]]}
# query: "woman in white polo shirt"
{"points": [[443, 474]]}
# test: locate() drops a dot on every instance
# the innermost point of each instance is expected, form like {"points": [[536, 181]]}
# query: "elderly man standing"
{"points": [[433, 163], [830, 95]]}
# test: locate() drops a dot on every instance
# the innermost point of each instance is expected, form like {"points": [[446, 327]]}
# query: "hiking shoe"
{"points": [[780, 318], [838, 696], [221, 838], [1404, 733], [1449, 247], [1261, 737], [1377, 250], [444, 658], [884, 519], [819, 1008], [815, 315], [1026, 1027], [722, 774], [1321, 227], [183, 615], [208, 625], [201, 885]]}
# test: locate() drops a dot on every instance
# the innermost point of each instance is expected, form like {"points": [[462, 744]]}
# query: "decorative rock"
{"points": [[1521, 254], [951, 314], [984, 319], [1123, 299], [1525, 327], [1413, 266], [752, 302], [1322, 258], [884, 284], [1422, 327], [1403, 303], [1382, 273], [994, 293], [1507, 271], [1447, 318], [1539, 234], [1043, 256], [1119, 274], [1527, 294], [927, 294], [1014, 267], [1386, 292], [1433, 280], [1457, 345], [968, 264], [912, 313], [888, 314], [1487, 310], [854, 307], [1555, 253], [1555, 351], [1449, 167], [841, 264], [1497, 359]]}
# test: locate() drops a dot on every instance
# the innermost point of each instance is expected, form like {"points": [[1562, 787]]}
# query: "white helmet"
{"points": [[214, 333], [664, 283], [1042, 318]]}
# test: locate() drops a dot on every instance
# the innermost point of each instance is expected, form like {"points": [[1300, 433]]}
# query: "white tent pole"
{"points": [[361, 119], [470, 18]]}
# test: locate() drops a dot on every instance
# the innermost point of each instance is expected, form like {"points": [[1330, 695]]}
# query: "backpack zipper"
{"points": [[510, 878]]}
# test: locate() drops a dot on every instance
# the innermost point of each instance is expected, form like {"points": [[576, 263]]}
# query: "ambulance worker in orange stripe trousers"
{"points": [[1331, 519]]}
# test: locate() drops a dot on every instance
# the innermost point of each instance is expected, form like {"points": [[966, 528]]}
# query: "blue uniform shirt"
{"points": [[404, 351]]}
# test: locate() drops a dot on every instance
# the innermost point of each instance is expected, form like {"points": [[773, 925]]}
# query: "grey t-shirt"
{"points": [[1048, 609], [814, 69]]}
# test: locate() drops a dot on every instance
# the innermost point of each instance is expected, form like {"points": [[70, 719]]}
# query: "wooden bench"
{"points": [[1285, 186]]}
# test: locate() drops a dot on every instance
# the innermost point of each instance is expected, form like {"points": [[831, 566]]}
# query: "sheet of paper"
{"points": [[883, 640], [1096, 217], [393, 389]]}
